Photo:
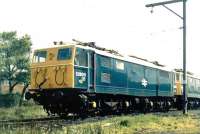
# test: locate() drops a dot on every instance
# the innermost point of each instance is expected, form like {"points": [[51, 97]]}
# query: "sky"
{"points": [[124, 25]]}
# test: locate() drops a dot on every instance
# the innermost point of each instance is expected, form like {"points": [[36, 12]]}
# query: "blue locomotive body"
{"points": [[94, 79], [112, 75]]}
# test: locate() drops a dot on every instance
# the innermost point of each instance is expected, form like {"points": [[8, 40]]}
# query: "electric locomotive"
{"points": [[81, 78]]}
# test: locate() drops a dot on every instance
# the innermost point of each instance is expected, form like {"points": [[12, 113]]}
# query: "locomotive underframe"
{"points": [[76, 101]]}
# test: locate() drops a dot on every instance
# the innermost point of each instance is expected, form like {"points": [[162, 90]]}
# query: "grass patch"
{"points": [[23, 112], [143, 123], [159, 123]]}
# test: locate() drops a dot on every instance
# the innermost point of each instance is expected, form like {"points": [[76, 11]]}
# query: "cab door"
{"points": [[81, 69], [91, 71]]}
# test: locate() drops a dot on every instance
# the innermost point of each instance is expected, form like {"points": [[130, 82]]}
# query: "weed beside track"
{"points": [[158, 122]]}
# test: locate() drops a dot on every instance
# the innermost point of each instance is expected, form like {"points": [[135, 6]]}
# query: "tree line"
{"points": [[15, 59]]}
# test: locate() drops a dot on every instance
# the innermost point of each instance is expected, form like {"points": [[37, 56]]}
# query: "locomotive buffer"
{"points": [[184, 41]]}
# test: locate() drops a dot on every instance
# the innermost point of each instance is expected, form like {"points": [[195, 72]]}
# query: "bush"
{"points": [[124, 123], [9, 100]]}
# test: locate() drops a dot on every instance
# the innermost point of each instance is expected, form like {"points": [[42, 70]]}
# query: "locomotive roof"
{"points": [[189, 74], [121, 57], [125, 58]]}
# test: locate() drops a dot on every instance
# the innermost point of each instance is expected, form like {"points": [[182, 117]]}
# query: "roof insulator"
{"points": [[61, 43], [55, 43]]}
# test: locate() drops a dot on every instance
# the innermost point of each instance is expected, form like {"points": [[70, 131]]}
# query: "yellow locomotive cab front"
{"points": [[52, 68], [178, 84]]}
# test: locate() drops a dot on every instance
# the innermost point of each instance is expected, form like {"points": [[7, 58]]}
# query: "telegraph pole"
{"points": [[183, 17]]}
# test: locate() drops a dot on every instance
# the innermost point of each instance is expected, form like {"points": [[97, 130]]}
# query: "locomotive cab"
{"points": [[59, 75], [52, 68]]}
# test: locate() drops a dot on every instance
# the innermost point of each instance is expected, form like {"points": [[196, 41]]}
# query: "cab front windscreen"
{"points": [[64, 54], [39, 56], [60, 54]]}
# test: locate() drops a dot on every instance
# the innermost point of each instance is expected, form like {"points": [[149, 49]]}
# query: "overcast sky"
{"points": [[124, 25]]}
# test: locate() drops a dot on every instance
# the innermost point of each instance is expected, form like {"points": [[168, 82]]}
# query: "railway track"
{"points": [[56, 121], [69, 120], [29, 121]]}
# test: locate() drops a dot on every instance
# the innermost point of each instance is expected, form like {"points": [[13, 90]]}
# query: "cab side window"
{"points": [[81, 58]]}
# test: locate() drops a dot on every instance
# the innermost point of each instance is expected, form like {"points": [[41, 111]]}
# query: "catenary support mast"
{"points": [[183, 17]]}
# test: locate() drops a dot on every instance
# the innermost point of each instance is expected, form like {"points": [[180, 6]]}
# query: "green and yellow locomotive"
{"points": [[83, 78]]}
